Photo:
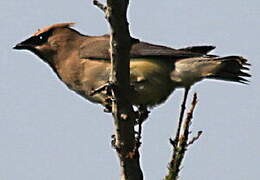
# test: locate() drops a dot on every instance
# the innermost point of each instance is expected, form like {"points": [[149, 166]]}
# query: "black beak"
{"points": [[21, 46], [26, 44], [18, 46]]}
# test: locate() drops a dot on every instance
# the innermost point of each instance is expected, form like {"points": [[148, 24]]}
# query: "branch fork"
{"points": [[180, 142]]}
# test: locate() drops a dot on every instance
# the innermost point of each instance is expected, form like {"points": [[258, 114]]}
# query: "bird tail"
{"points": [[230, 68], [198, 49], [191, 70]]}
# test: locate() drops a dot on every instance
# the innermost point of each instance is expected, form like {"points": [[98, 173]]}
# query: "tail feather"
{"points": [[199, 49], [231, 69]]}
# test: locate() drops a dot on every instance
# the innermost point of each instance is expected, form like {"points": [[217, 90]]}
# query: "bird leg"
{"points": [[105, 87], [108, 105]]}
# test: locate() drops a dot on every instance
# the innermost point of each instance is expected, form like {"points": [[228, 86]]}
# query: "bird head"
{"points": [[50, 42]]}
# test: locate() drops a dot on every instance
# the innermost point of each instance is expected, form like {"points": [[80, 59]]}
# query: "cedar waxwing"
{"points": [[83, 64]]}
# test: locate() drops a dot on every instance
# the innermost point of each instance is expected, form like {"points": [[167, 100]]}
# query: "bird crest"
{"points": [[60, 25]]}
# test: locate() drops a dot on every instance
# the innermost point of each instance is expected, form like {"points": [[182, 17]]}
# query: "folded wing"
{"points": [[98, 48]]}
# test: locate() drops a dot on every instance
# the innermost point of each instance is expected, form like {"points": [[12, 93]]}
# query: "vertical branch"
{"points": [[180, 143], [123, 113], [183, 107]]}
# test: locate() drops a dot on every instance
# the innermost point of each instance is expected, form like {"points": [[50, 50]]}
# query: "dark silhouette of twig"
{"points": [[100, 5], [183, 107], [195, 138], [180, 143]]}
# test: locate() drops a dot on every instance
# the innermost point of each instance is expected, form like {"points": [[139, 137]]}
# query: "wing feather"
{"points": [[98, 48]]}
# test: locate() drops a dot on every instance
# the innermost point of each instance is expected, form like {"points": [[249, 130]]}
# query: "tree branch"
{"points": [[183, 107], [180, 143], [124, 116], [194, 138], [100, 5]]}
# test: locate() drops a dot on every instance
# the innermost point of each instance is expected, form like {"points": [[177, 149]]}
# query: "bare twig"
{"points": [[188, 119], [139, 134], [183, 107], [100, 5], [194, 138], [180, 143]]}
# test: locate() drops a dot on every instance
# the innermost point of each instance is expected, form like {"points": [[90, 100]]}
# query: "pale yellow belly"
{"points": [[150, 79]]}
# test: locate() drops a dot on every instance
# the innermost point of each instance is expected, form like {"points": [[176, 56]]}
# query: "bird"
{"points": [[82, 62]]}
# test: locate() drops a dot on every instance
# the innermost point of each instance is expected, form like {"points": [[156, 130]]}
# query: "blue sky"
{"points": [[49, 132]]}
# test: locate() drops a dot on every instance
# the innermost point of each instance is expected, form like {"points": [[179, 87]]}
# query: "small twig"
{"points": [[142, 116], [188, 119], [100, 5], [183, 107], [180, 142], [193, 105], [139, 134], [194, 138]]}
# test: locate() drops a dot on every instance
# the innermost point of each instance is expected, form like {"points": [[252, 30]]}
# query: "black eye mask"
{"points": [[39, 39]]}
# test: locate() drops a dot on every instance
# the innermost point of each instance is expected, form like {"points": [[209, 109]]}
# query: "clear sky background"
{"points": [[48, 132]]}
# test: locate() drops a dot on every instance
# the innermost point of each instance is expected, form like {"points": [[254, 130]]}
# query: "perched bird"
{"points": [[83, 64]]}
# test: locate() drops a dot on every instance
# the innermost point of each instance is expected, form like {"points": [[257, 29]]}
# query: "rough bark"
{"points": [[124, 116]]}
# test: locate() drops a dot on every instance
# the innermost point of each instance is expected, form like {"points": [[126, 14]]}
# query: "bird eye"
{"points": [[40, 38]]}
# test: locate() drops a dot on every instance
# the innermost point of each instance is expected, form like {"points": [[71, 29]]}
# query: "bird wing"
{"points": [[98, 48], [199, 49]]}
